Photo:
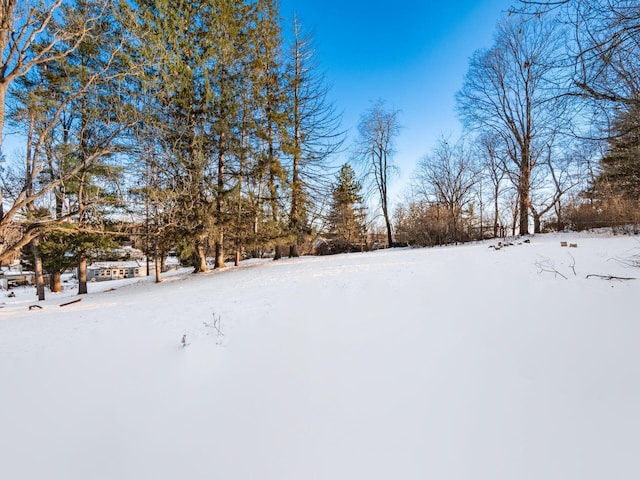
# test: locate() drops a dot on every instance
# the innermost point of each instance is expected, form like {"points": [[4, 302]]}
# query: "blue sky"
{"points": [[412, 54]]}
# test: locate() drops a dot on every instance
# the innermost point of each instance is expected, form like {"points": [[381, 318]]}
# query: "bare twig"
{"points": [[609, 277], [572, 265], [216, 325], [630, 261], [546, 265]]}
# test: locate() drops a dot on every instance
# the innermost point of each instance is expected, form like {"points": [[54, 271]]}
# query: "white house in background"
{"points": [[14, 277], [102, 271]]}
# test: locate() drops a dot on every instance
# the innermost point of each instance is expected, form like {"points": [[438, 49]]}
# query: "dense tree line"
{"points": [[195, 122]]}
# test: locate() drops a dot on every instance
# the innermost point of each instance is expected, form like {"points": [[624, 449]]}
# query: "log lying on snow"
{"points": [[69, 303]]}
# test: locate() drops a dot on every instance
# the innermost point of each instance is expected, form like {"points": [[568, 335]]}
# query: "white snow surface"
{"points": [[458, 362]]}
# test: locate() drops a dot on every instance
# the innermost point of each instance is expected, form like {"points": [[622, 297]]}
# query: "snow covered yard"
{"points": [[447, 363]]}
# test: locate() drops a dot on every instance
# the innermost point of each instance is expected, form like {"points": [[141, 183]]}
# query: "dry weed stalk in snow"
{"points": [[547, 265]]}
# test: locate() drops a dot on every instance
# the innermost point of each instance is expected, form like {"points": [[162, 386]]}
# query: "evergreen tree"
{"points": [[620, 167], [213, 68], [174, 42], [313, 134], [232, 54], [347, 217], [269, 174]]}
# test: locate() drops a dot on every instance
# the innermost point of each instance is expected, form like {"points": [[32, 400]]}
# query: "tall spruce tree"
{"points": [[232, 63], [270, 98], [347, 216]]}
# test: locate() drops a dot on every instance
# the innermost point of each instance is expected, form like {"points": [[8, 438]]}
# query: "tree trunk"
{"points": [[294, 214], [385, 212], [3, 93], [496, 215], [524, 188], [82, 274], [199, 257], [388, 223], [158, 268], [156, 260], [163, 260], [55, 282], [454, 225], [523, 199], [278, 253], [536, 223], [559, 217], [39, 277], [219, 263]]}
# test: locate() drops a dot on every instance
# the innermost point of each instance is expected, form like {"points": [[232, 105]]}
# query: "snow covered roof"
{"points": [[123, 264]]}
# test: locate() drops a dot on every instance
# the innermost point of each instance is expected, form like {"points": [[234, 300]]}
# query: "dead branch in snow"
{"points": [[609, 277], [69, 303], [572, 265], [546, 265]]}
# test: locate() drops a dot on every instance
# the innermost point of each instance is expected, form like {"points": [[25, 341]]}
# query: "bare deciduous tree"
{"points": [[510, 91], [605, 46], [446, 177], [494, 166], [35, 35], [378, 129], [32, 34]]}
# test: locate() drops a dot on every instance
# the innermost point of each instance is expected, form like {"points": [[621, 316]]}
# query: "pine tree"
{"points": [[174, 42], [269, 175], [232, 65], [620, 167], [347, 217]]}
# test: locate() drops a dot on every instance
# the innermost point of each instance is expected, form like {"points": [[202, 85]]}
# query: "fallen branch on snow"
{"points": [[609, 277], [69, 303]]}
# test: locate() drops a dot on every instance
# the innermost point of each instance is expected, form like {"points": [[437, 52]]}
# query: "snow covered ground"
{"points": [[460, 362]]}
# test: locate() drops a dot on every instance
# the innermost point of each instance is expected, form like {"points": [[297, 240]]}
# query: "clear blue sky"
{"points": [[413, 54]]}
